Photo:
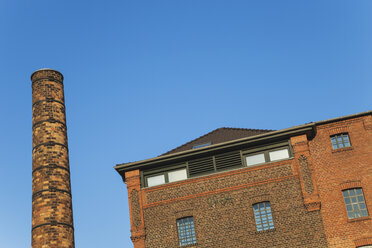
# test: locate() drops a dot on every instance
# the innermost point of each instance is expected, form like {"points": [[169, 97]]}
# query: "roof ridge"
{"points": [[193, 140]]}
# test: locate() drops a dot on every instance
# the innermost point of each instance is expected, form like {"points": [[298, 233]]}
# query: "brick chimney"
{"points": [[52, 222]]}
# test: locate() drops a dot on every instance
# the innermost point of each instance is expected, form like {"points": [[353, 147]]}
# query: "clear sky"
{"points": [[142, 77]]}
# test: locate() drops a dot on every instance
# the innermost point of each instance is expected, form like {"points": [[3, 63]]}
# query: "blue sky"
{"points": [[142, 77]]}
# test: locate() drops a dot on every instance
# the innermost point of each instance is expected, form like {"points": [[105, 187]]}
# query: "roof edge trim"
{"points": [[122, 168], [166, 158]]}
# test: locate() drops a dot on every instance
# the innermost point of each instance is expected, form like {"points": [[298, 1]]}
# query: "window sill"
{"points": [[342, 149], [190, 246], [358, 219], [266, 231]]}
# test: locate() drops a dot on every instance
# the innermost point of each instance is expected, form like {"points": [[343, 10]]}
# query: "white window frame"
{"points": [[266, 152], [166, 176]]}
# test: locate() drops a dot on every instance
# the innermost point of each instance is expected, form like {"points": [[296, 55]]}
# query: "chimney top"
{"points": [[46, 73]]}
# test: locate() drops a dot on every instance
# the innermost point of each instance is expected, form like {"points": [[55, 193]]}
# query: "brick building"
{"points": [[305, 186]]}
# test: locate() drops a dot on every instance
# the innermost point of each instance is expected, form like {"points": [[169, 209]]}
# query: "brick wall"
{"points": [[221, 205], [305, 193], [338, 169], [52, 223]]}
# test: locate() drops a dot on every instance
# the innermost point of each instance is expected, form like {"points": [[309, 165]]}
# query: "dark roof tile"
{"points": [[219, 135]]}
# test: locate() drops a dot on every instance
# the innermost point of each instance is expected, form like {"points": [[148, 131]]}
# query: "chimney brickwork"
{"points": [[52, 222]]}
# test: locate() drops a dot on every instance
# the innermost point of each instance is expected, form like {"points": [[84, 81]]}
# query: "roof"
{"points": [[218, 135], [172, 156]]}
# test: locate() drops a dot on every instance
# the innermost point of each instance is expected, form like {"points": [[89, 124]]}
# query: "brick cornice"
{"points": [[48, 100], [53, 223], [337, 130], [50, 120], [50, 166], [51, 190], [351, 184], [363, 241], [312, 203], [138, 236], [50, 143]]}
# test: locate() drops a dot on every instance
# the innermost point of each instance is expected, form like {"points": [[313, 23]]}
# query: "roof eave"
{"points": [[122, 168], [296, 130]]}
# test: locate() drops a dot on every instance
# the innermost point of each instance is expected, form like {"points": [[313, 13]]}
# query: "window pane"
{"points": [[186, 231], [280, 154], [351, 215], [255, 159], [355, 203], [340, 141], [155, 180], [177, 175], [263, 217]]}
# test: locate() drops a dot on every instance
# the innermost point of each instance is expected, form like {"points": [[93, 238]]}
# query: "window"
{"points": [[155, 180], [340, 140], [355, 203], [177, 175], [255, 159], [186, 231], [279, 154], [267, 156], [201, 145], [263, 216], [166, 177]]}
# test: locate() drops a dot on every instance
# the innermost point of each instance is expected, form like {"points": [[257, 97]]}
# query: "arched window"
{"points": [[263, 216]]}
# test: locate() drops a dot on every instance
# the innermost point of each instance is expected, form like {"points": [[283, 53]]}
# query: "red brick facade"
{"points": [[305, 193], [343, 168], [52, 223]]}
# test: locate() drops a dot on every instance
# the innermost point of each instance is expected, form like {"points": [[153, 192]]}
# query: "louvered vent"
{"points": [[228, 160], [201, 166]]}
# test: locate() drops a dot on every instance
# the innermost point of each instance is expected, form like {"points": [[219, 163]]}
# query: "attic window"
{"points": [[201, 145], [162, 177], [275, 152]]}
